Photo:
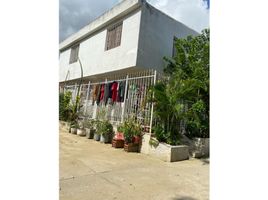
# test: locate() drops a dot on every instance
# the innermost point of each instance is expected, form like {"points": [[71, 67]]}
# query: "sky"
{"points": [[75, 14]]}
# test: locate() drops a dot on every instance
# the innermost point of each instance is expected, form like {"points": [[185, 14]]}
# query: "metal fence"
{"points": [[120, 96]]}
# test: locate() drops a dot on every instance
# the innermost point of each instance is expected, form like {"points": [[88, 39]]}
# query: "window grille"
{"points": [[113, 38], [74, 54], [134, 103]]}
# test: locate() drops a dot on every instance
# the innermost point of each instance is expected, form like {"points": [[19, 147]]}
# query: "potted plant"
{"points": [[106, 129], [81, 131], [74, 126], [73, 119], [96, 136], [90, 128], [132, 131], [118, 139]]}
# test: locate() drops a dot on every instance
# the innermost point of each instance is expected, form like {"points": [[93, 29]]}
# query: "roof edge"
{"points": [[121, 9]]}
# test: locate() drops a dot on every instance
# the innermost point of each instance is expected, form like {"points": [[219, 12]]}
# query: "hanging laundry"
{"points": [[110, 90], [121, 91], [114, 91], [94, 93], [99, 94], [102, 92], [106, 93]]}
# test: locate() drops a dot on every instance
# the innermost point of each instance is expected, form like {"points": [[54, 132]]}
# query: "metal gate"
{"points": [[131, 102]]}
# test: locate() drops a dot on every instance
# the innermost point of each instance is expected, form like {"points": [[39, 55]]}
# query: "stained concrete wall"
{"points": [[96, 60], [164, 151], [119, 10], [156, 37]]}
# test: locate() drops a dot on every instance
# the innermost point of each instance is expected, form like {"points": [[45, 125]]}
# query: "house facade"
{"points": [[130, 37], [112, 62]]}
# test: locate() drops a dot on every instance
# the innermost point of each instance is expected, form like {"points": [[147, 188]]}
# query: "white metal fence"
{"points": [[120, 96]]}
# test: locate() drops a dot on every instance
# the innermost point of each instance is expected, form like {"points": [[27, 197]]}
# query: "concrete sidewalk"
{"points": [[90, 170]]}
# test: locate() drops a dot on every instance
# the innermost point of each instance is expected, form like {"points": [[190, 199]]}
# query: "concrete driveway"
{"points": [[90, 170]]}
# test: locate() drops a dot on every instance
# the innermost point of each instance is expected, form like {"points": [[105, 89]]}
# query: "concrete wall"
{"points": [[105, 19], [164, 151], [147, 36], [156, 37], [96, 60], [199, 147]]}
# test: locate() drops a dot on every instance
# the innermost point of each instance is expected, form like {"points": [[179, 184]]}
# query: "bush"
{"points": [[166, 137], [104, 127], [64, 106], [131, 129], [120, 128], [90, 123], [182, 99]]}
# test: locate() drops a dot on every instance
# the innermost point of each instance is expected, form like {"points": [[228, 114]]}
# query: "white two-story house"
{"points": [[131, 36]]}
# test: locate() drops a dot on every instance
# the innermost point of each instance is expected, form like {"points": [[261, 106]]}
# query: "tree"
{"points": [[182, 99]]}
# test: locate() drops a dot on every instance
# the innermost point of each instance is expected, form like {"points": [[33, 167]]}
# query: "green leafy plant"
{"points": [[82, 124], [73, 115], [90, 123], [130, 129], [181, 99], [98, 124], [64, 105], [105, 127], [153, 142], [74, 124], [120, 128]]}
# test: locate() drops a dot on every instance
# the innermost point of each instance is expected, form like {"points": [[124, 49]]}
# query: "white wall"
{"points": [[147, 36], [102, 21], [156, 37], [96, 60]]}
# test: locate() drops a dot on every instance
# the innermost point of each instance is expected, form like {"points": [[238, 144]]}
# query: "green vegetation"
{"points": [[120, 128], [64, 106], [182, 98], [105, 127], [130, 129]]}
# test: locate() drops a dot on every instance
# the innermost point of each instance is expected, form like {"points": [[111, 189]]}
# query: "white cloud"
{"points": [[193, 13]]}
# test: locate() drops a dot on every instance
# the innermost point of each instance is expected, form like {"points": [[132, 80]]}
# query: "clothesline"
{"points": [[118, 102], [120, 80]]}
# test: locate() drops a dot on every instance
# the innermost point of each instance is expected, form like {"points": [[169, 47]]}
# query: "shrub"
{"points": [[120, 128], [182, 99], [64, 106], [131, 129], [104, 127]]}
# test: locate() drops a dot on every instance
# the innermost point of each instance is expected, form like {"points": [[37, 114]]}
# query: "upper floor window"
{"points": [[74, 54], [113, 38]]}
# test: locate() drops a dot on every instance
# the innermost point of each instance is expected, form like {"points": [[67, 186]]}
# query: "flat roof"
{"points": [[121, 9], [118, 11]]}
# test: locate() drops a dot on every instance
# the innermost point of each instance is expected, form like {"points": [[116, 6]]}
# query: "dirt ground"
{"points": [[90, 170]]}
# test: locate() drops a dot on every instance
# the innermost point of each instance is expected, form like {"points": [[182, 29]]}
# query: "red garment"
{"points": [[102, 92], [114, 91]]}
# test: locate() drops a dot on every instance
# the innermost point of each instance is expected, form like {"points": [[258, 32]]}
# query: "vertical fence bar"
{"points": [[152, 106], [88, 91], [125, 96], [106, 108]]}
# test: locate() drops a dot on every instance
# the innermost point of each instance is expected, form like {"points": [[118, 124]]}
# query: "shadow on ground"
{"points": [[183, 198]]}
